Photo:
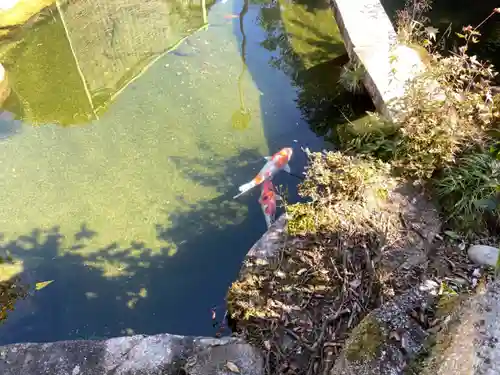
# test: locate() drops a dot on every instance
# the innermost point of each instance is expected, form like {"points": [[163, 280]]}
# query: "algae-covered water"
{"points": [[118, 171]]}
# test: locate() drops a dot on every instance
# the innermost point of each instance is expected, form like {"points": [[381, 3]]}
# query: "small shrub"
{"points": [[466, 189], [411, 21], [377, 137], [431, 132]]}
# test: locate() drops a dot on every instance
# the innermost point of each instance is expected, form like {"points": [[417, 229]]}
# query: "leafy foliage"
{"points": [[468, 189], [351, 77]]}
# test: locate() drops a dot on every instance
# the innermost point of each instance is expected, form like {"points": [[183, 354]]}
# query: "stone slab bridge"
{"points": [[370, 38]]}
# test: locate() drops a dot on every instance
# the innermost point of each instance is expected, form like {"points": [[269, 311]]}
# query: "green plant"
{"points": [[466, 189], [376, 137], [351, 77]]}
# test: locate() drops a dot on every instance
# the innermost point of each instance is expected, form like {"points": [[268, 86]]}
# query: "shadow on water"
{"points": [[133, 300]]}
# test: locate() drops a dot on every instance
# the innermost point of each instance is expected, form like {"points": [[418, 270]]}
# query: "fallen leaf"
{"points": [[301, 271], [355, 283], [42, 284], [232, 367], [267, 344], [451, 234], [395, 335]]}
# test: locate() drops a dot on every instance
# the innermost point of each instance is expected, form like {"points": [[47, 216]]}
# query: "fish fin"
{"points": [[245, 187], [287, 169], [268, 219], [267, 158]]}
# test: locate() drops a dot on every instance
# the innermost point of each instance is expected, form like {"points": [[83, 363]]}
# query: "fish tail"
{"points": [[269, 220], [245, 187]]}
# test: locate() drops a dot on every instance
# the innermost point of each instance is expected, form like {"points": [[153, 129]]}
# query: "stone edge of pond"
{"points": [[132, 355], [269, 244]]}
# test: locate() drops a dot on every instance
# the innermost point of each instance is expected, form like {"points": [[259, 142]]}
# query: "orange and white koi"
{"points": [[267, 200], [277, 162]]}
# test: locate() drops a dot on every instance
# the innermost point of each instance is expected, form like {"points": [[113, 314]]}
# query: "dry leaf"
{"points": [[267, 344], [232, 367], [261, 262], [355, 283], [42, 284], [301, 271]]}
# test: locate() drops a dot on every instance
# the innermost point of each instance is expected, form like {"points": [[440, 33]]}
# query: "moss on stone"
{"points": [[301, 219], [365, 340]]}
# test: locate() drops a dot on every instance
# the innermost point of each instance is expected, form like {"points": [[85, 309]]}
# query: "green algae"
{"points": [[312, 34], [122, 175]]}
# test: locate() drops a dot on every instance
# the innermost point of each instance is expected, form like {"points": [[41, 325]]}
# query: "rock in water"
{"points": [[483, 255]]}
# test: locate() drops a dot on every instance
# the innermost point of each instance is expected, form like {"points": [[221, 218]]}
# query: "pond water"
{"points": [[118, 171]]}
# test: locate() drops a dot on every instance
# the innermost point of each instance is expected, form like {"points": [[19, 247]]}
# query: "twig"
{"points": [[327, 321], [328, 359]]}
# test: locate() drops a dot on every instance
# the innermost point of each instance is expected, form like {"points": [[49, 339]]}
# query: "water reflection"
{"points": [[12, 287], [459, 13], [89, 51], [307, 47], [241, 117]]}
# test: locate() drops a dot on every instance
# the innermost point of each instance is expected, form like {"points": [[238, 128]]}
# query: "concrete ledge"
{"points": [[371, 39]]}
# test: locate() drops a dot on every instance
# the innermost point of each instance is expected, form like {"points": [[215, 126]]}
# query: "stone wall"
{"points": [[133, 355]]}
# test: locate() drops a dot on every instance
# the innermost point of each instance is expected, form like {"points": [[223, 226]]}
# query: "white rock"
{"points": [[484, 255], [4, 84]]}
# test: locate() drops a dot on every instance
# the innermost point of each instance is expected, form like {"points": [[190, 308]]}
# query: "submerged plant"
{"points": [[351, 77]]}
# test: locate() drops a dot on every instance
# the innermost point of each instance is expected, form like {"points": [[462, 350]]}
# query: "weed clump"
{"points": [[351, 77], [342, 189]]}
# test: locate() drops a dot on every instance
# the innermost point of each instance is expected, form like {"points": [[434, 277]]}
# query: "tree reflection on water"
{"points": [[12, 289], [310, 50]]}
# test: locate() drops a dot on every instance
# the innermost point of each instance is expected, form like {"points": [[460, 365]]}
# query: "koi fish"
{"points": [[231, 16], [267, 200], [277, 162]]}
